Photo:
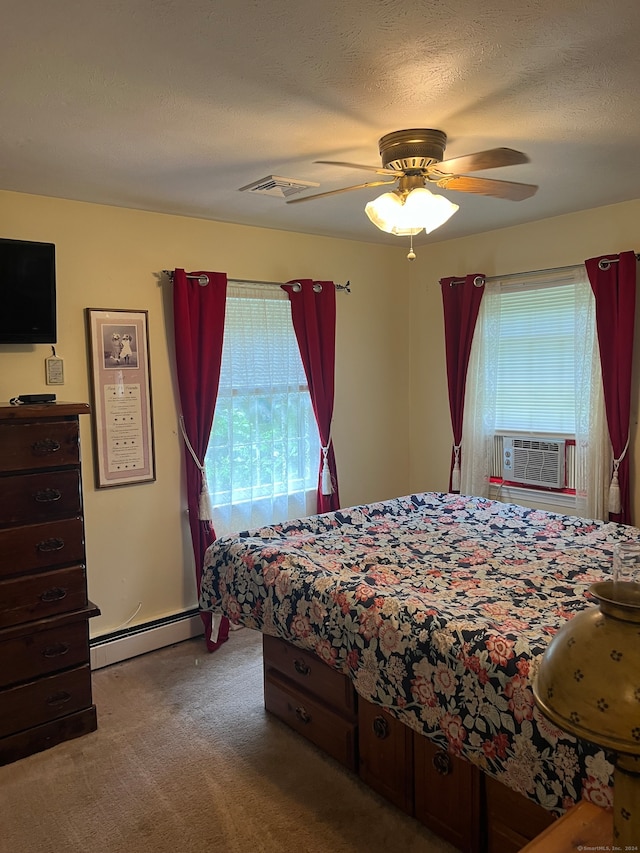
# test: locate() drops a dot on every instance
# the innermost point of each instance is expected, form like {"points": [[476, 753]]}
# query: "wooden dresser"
{"points": [[45, 677]]}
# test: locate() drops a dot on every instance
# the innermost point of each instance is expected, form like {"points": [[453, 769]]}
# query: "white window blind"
{"points": [[536, 370], [264, 451]]}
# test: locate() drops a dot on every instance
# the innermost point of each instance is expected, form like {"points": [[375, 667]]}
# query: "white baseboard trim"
{"points": [[144, 638]]}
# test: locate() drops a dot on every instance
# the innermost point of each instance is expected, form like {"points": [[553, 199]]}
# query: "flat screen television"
{"points": [[27, 292]]}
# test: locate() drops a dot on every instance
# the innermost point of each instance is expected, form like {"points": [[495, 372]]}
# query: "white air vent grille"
{"points": [[533, 460], [277, 186]]}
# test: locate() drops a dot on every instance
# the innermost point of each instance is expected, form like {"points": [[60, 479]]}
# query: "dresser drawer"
{"points": [[43, 594], [309, 672], [386, 755], [512, 820], [38, 546], [37, 653], [49, 444], [334, 734], [447, 793], [31, 498], [46, 699]]}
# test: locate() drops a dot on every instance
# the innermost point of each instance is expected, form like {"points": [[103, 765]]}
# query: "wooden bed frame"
{"points": [[449, 795]]}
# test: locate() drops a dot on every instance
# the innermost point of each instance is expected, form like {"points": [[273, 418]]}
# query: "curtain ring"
{"points": [[478, 281], [317, 287], [604, 264], [203, 280], [296, 287]]}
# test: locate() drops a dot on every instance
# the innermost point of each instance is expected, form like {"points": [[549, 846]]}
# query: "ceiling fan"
{"points": [[414, 158]]}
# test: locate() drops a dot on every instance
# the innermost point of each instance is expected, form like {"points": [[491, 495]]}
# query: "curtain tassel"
{"points": [[326, 486], [455, 473], [615, 503], [205, 510]]}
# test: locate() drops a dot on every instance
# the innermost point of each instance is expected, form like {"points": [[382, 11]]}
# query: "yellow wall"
{"points": [[392, 430], [560, 241], [138, 544]]}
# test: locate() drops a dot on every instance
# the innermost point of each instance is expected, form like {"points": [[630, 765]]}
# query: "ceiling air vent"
{"points": [[277, 186]]}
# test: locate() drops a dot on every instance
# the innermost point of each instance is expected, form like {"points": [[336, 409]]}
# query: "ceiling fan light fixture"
{"points": [[387, 212], [421, 205], [408, 215]]}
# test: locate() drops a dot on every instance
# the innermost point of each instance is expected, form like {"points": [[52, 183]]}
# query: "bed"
{"points": [[438, 608]]}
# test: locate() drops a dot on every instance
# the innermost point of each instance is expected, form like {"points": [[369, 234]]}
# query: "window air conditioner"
{"points": [[533, 461]]}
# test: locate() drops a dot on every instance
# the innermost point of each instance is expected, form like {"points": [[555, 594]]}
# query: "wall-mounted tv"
{"points": [[27, 292]]}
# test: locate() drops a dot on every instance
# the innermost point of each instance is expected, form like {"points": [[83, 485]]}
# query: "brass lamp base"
{"points": [[626, 802], [588, 684]]}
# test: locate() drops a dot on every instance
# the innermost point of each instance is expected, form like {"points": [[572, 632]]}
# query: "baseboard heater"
{"points": [[140, 639]]}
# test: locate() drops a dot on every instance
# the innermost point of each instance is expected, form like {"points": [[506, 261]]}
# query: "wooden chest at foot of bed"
{"points": [[417, 776], [315, 700], [512, 821], [447, 794], [385, 748]]}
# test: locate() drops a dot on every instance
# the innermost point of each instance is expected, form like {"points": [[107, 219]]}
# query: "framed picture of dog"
{"points": [[118, 343]]}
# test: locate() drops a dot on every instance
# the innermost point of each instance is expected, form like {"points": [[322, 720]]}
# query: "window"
{"points": [[264, 451], [535, 370]]}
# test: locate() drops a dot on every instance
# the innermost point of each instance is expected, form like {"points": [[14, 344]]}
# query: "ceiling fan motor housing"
{"points": [[412, 150]]}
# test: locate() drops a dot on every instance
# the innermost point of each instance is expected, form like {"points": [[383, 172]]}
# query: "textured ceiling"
{"points": [[173, 105]]}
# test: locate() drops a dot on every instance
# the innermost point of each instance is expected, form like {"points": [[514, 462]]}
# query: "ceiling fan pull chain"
{"points": [[412, 255]]}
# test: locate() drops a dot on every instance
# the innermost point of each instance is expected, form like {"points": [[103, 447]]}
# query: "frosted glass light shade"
{"points": [[386, 212], [420, 209]]}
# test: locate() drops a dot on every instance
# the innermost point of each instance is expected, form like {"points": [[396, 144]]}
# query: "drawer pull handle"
{"points": [[303, 715], [46, 445], [56, 593], [380, 728], [56, 651], [59, 698], [442, 763], [53, 544], [301, 667], [46, 496]]}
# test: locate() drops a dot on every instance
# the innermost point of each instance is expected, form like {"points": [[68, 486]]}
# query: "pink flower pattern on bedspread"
{"points": [[438, 607]]}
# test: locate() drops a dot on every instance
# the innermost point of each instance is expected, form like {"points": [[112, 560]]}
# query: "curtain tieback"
{"points": [[455, 473], [615, 504], [326, 486], [205, 510]]}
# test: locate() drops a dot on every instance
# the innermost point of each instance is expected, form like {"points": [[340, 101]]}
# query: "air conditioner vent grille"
{"points": [[277, 186], [533, 461]]}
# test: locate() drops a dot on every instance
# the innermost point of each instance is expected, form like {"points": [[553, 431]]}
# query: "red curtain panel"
{"points": [[461, 302], [613, 281], [313, 312], [199, 328]]}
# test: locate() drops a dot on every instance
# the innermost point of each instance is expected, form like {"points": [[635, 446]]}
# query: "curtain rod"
{"points": [[479, 280], [203, 281]]}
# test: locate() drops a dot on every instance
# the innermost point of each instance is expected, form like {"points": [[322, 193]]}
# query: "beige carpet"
{"points": [[186, 760]]}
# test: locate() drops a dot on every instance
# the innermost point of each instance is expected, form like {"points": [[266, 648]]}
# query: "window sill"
{"points": [[561, 502]]}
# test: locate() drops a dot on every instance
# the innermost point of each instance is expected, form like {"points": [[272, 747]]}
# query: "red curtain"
{"points": [[199, 329], [613, 281], [461, 303], [313, 312]]}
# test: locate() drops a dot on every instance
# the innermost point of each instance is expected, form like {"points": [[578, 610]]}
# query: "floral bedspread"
{"points": [[439, 608]]}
